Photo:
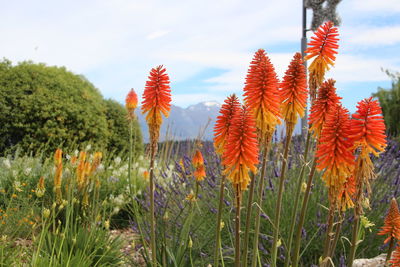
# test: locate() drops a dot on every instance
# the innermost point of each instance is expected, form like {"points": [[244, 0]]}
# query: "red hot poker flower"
{"points": [[241, 151], [131, 102], [334, 153], [322, 46], [368, 127], [223, 123], [156, 100], [391, 226], [200, 173], [395, 260], [294, 91], [261, 93], [327, 98], [197, 159], [198, 164]]}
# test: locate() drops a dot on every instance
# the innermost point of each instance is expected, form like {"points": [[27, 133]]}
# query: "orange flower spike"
{"points": [[322, 46], [96, 161], [58, 174], [327, 98], [261, 93], [131, 102], [241, 151], [395, 260], [294, 91], [368, 127], [156, 100], [198, 163], [334, 153], [197, 159], [391, 225], [200, 173], [223, 123], [58, 157]]}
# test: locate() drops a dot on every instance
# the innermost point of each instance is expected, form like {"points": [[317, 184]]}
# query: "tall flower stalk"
{"points": [[131, 103], [156, 101], [322, 48], [58, 174], [261, 95], [221, 135], [368, 134], [240, 157], [294, 100], [327, 98], [334, 157]]}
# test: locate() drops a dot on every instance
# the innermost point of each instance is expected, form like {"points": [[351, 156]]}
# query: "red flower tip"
{"points": [[368, 127], [156, 100], [294, 91], [261, 93], [241, 151], [223, 123], [327, 98], [334, 153]]}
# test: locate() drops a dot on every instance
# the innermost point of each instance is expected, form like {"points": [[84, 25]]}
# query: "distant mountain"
{"points": [[188, 123]]}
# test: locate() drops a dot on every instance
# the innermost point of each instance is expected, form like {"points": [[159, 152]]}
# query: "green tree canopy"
{"points": [[42, 108], [390, 103]]}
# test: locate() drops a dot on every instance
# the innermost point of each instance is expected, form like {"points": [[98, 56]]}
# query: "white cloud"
{"points": [[391, 6], [116, 43], [374, 36], [350, 68], [157, 34]]}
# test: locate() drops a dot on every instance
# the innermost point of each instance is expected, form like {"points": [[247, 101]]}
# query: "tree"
{"points": [[117, 121], [42, 108], [390, 103]]}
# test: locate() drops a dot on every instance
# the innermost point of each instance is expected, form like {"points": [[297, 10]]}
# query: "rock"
{"points": [[378, 261]]}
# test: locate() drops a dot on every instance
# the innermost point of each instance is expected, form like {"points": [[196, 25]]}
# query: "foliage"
{"points": [[42, 108], [390, 103], [118, 139]]}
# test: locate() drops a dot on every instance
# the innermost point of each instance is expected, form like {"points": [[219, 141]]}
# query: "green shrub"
{"points": [[390, 102], [42, 108]]}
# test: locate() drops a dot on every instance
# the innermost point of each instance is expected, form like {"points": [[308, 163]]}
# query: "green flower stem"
{"points": [[267, 145], [218, 225], [354, 239], [297, 200], [238, 196], [152, 218], [296, 252], [132, 189], [328, 239], [248, 216], [337, 234], [289, 131]]}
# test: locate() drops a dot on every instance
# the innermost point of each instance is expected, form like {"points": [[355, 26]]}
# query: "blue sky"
{"points": [[205, 45]]}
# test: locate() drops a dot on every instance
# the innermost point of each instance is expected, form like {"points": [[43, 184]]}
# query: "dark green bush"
{"points": [[390, 102], [44, 107]]}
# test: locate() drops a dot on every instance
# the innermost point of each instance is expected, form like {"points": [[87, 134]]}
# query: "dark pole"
{"points": [[303, 48]]}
